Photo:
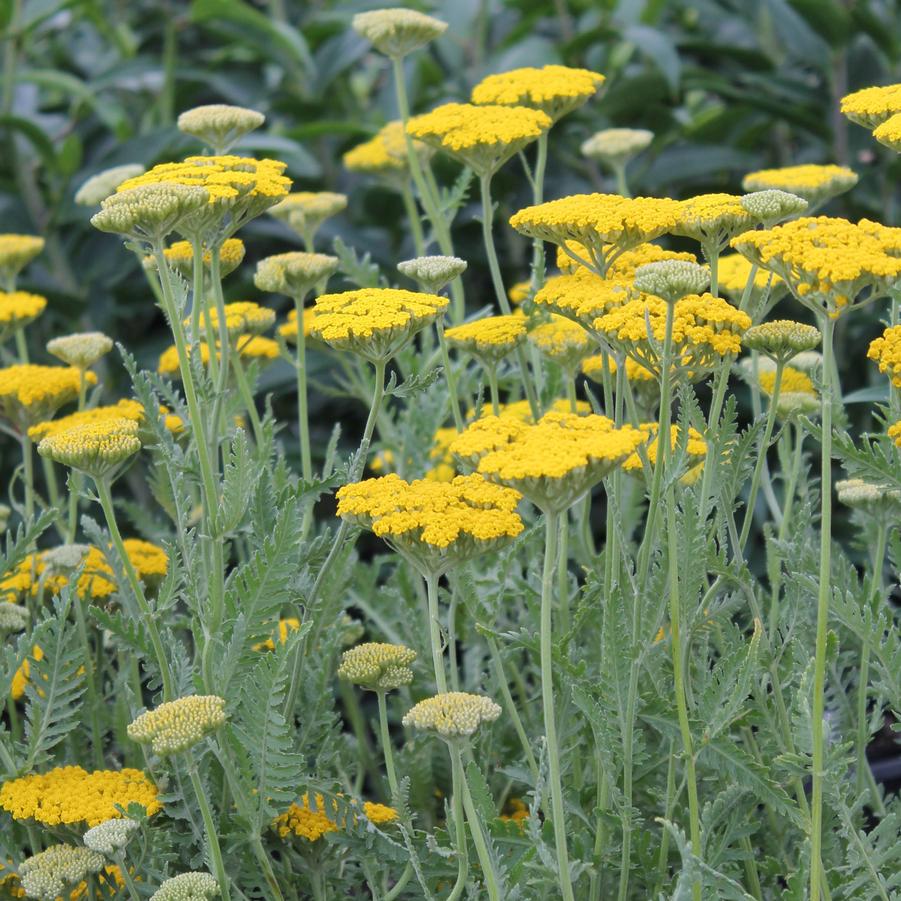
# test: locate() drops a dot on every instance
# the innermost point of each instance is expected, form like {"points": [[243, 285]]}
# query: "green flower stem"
{"points": [[510, 705], [75, 478], [713, 260], [198, 301], [539, 264], [452, 641], [431, 584], [761, 456], [225, 352], [133, 893], [427, 194], [457, 780], [106, 504], [9, 765], [622, 186], [210, 828], [317, 884], [413, 218], [827, 327], [90, 678], [595, 884], [387, 749], [28, 475], [21, 346], [498, 282], [247, 399], [491, 372], [401, 883], [555, 785], [669, 802], [570, 383], [720, 383], [303, 418], [475, 826], [449, 376]]}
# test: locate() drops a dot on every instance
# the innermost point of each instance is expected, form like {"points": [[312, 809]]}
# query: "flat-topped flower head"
{"points": [[815, 183], [624, 265], [51, 873], [712, 219], [879, 501], [123, 409], [13, 618], [187, 887], [827, 263], [178, 725], [219, 125], [733, 272], [30, 394], [98, 187], [255, 348], [384, 156], [434, 524], [16, 252], [616, 146], [69, 796], [374, 322], [693, 446], [889, 133], [870, 107], [147, 213], [294, 273], [82, 349], [432, 273], [772, 206], [241, 318], [555, 90], [672, 280], [110, 836], [18, 309], [553, 462], [705, 330], [490, 339], [604, 224], [638, 375], [563, 341], [582, 296], [452, 714], [885, 351], [396, 31], [96, 448], [481, 137], [305, 211], [377, 666], [781, 339], [180, 256]]}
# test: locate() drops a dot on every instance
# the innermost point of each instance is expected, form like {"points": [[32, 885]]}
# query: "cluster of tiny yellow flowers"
{"points": [[251, 347], [219, 124], [594, 367], [123, 409], [624, 265], [180, 256], [18, 309], [16, 252], [384, 155], [886, 352], [81, 349], [96, 448], [616, 145], [695, 446], [285, 626], [889, 133], [178, 725], [452, 714], [305, 211], [491, 338], [555, 90], [734, 270], [711, 219], [30, 393], [302, 821], [815, 183], [377, 666], [482, 137], [582, 296], [563, 341], [397, 31], [872, 106], [295, 273], [894, 432], [515, 812], [69, 795], [374, 322], [242, 317]]}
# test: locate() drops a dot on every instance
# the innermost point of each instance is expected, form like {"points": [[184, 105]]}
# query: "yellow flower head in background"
{"points": [[241, 318], [889, 133], [82, 349], [555, 90], [294, 274], [123, 409], [481, 137], [490, 339], [285, 626], [16, 252], [180, 256], [377, 666], [96, 448], [624, 266], [288, 329], [815, 183], [29, 394], [305, 211], [397, 31], [178, 725], [374, 322], [303, 821], [582, 296], [794, 381], [712, 219], [563, 341], [452, 714], [250, 347], [734, 270], [871, 107], [219, 125], [384, 155], [69, 795], [434, 524], [552, 462], [695, 448], [885, 351], [18, 309]]}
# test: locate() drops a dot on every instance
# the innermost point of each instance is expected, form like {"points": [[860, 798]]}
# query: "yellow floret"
{"points": [[452, 714], [815, 183], [555, 90], [490, 339], [30, 394], [178, 725]]}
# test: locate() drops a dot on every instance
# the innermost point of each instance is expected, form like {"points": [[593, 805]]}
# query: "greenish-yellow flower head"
{"points": [[96, 448], [396, 31], [187, 887], [110, 836], [178, 725], [772, 206], [305, 211], [432, 273], [616, 146], [148, 213], [82, 349], [879, 501], [16, 252], [815, 183], [781, 339], [672, 279], [98, 187], [452, 714], [295, 273], [17, 310], [219, 125], [47, 875], [13, 617], [378, 666]]}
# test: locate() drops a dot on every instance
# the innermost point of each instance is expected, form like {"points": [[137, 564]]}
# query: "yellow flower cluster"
{"points": [[515, 812], [303, 821], [178, 725], [734, 270], [305, 211], [23, 674], [397, 31], [827, 262], [695, 446], [374, 322], [814, 183], [514, 453], [294, 273], [241, 318], [96, 448], [288, 329], [434, 523], [180, 256], [871, 107], [894, 432], [555, 90], [377, 666], [794, 381], [782, 339], [250, 347], [593, 367], [286, 625], [18, 309], [583, 296], [625, 264], [889, 133], [109, 878], [69, 795], [886, 352], [30, 394], [123, 409], [384, 155], [452, 714], [711, 219], [563, 341], [482, 137], [490, 339], [16, 252]]}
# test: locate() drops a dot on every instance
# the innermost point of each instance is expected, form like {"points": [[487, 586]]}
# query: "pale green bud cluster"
{"points": [[148, 213], [781, 339], [868, 497], [65, 558], [48, 874], [187, 887], [671, 280], [294, 274], [432, 273], [98, 187], [791, 404], [178, 725], [808, 360], [96, 448], [13, 618], [452, 714], [219, 125], [616, 145], [772, 205], [397, 32], [110, 836], [378, 666], [81, 349]]}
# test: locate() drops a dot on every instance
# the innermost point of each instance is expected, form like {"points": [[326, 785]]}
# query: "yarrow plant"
{"points": [[448, 568]]}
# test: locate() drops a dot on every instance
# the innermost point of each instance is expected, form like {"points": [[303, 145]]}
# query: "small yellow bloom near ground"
{"points": [[301, 820], [285, 626], [515, 811], [18, 309]]}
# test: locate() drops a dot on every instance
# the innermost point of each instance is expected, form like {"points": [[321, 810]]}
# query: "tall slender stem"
{"points": [[413, 218], [387, 749], [209, 825], [491, 372], [449, 376], [247, 398], [303, 419], [622, 186], [538, 256], [457, 780], [827, 327], [431, 583], [90, 676], [28, 474]]}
